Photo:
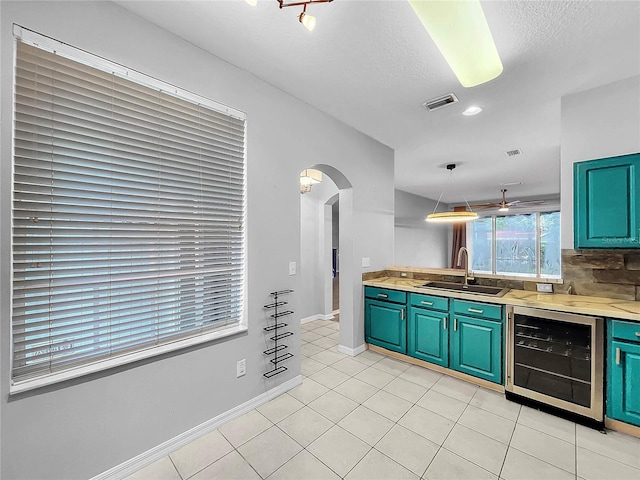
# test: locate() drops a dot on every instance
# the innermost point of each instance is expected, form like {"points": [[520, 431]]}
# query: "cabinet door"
{"points": [[385, 325], [476, 347], [428, 337], [624, 384], [607, 203]]}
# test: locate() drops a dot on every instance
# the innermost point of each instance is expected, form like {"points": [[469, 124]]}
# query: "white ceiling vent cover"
{"points": [[513, 153], [440, 102]]}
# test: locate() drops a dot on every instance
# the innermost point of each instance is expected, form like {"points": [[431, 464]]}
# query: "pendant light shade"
{"points": [[456, 216], [460, 31], [452, 217]]}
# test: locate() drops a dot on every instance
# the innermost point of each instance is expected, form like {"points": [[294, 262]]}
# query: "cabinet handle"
{"points": [[618, 356], [383, 295], [637, 334], [402, 314], [444, 321], [455, 324], [431, 303], [474, 310]]}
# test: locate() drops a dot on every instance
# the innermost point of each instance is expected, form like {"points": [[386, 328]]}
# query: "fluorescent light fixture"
{"points": [[309, 21], [451, 217], [460, 31], [472, 111]]}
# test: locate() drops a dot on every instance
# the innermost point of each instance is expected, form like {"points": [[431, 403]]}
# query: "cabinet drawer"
{"points": [[429, 301], [387, 295], [625, 330], [484, 310]]}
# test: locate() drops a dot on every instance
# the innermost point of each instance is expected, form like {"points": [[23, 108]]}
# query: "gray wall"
{"points": [[81, 428], [597, 123], [315, 259], [418, 243]]}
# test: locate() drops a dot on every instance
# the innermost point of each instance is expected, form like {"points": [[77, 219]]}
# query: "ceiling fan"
{"points": [[504, 206]]}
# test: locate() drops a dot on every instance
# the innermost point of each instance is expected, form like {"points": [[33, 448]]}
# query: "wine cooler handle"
{"points": [[618, 356]]}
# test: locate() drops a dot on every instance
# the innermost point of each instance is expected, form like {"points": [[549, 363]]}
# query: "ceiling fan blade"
{"points": [[484, 206], [529, 203]]}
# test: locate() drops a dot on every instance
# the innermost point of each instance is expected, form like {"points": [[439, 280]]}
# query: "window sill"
{"points": [[31, 384], [521, 277]]}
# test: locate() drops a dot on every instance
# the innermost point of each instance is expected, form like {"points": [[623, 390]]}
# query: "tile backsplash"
{"points": [[600, 273], [605, 273]]}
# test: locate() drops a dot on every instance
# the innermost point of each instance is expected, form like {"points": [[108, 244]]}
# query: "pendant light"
{"points": [[451, 217]]}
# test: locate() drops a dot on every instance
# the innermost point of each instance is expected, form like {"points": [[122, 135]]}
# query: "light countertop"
{"points": [[587, 305]]}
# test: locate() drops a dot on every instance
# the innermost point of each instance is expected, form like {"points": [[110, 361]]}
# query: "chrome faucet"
{"points": [[466, 264]]}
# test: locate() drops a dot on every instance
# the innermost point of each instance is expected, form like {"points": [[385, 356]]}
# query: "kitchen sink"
{"points": [[459, 287]]}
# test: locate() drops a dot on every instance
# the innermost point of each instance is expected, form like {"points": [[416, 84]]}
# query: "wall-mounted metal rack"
{"points": [[278, 313]]}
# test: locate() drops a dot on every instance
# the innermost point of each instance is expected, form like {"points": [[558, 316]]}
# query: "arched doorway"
{"points": [[347, 271]]}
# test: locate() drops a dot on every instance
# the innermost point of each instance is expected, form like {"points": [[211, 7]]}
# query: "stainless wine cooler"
{"points": [[557, 359]]}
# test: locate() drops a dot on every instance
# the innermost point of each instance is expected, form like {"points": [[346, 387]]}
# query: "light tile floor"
{"points": [[374, 417]]}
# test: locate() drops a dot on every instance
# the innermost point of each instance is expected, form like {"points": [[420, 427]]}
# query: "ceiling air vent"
{"points": [[440, 102], [513, 153]]}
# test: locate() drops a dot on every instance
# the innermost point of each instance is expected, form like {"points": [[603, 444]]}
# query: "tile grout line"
{"points": [[176, 468], [504, 460]]}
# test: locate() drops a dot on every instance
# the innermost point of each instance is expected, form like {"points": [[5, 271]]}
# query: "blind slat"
{"points": [[128, 216]]}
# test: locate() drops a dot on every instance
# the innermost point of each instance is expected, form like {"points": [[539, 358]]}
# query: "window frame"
{"points": [[149, 351], [538, 243]]}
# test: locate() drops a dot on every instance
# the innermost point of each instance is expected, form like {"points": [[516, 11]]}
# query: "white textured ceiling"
{"points": [[371, 64]]}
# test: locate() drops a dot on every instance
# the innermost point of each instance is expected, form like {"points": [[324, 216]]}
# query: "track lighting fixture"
{"points": [[309, 21]]}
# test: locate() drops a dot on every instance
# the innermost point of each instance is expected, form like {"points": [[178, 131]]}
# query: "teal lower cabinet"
{"points": [[623, 365], [463, 335], [428, 336], [385, 322], [476, 347]]}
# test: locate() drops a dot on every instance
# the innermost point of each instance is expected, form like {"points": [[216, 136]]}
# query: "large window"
{"points": [[128, 217], [527, 245]]}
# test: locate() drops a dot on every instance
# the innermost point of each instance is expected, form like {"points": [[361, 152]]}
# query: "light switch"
{"points": [[292, 268], [366, 262]]}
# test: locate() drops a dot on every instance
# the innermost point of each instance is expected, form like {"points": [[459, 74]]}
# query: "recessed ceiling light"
{"points": [[472, 111]]}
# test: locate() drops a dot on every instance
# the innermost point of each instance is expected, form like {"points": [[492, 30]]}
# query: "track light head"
{"points": [[309, 21]]}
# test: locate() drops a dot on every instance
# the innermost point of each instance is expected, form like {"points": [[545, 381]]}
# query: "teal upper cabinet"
{"points": [[385, 313], [607, 202]]}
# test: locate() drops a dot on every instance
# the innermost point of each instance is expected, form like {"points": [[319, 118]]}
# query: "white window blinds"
{"points": [[128, 216]]}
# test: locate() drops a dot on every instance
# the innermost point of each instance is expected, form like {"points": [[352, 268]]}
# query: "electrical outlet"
{"points": [[241, 368], [292, 268], [544, 287]]}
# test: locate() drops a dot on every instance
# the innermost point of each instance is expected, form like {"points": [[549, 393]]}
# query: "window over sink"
{"points": [[521, 244]]}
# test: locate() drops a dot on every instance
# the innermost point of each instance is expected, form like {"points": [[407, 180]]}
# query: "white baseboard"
{"points": [[352, 351], [317, 316], [156, 453]]}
